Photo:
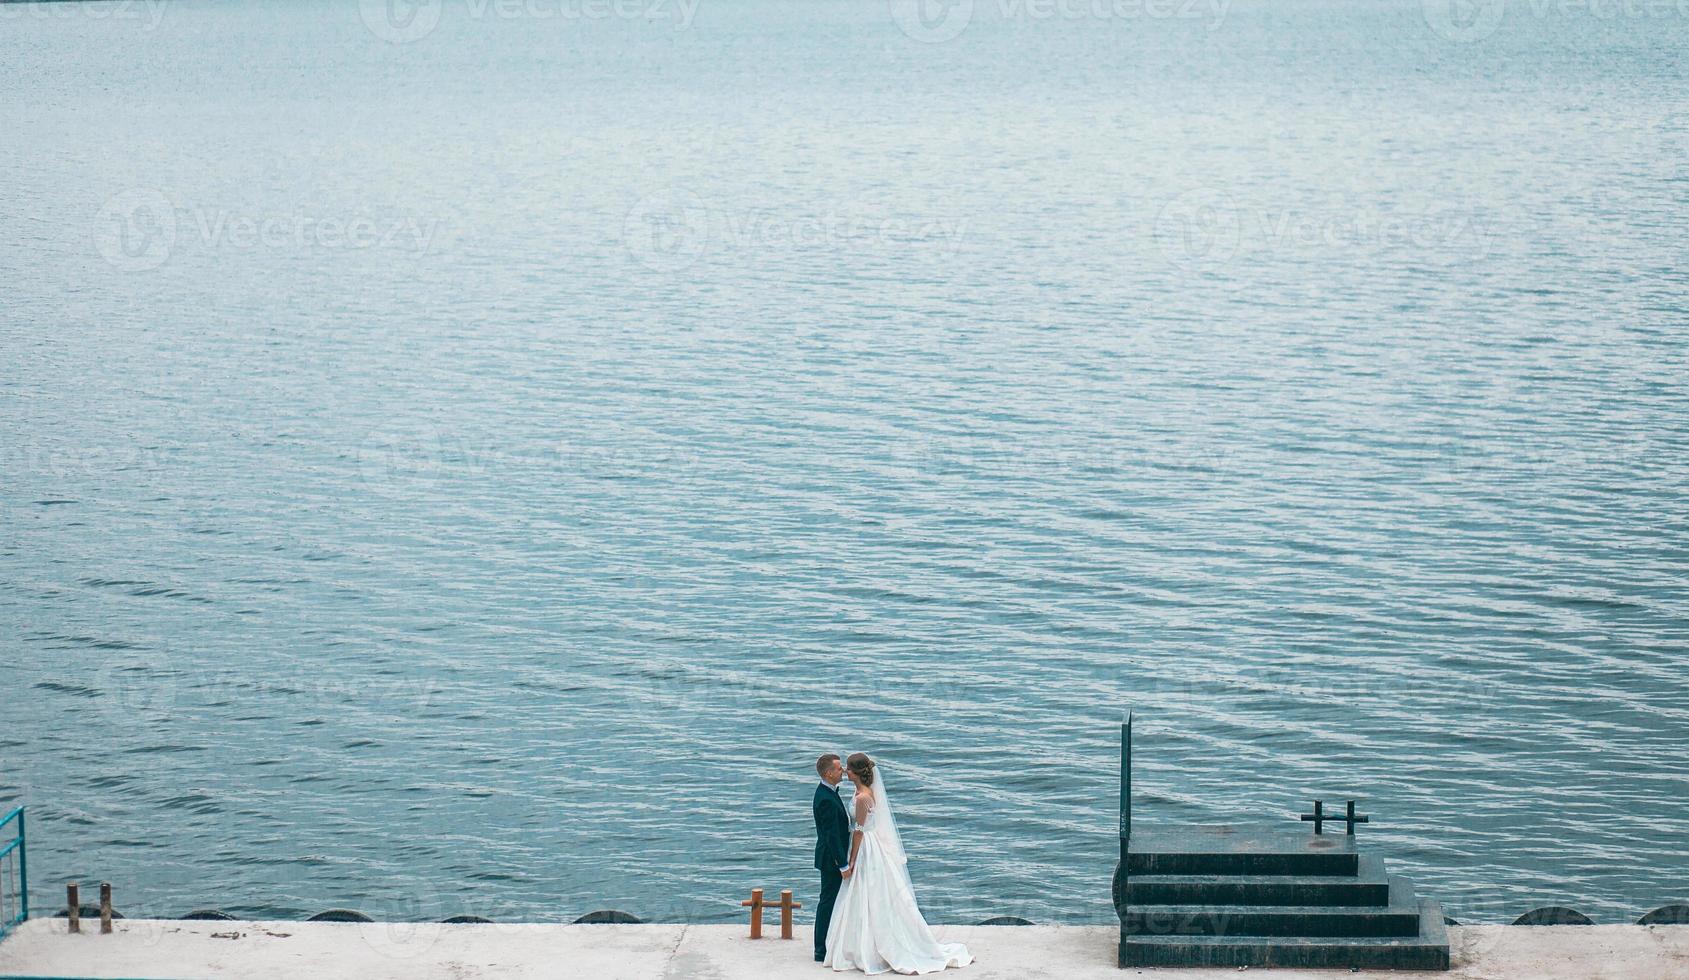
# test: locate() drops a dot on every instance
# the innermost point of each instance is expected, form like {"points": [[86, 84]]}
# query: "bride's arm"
{"points": [[856, 835]]}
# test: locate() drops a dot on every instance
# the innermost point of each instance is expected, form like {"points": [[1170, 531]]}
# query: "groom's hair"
{"points": [[825, 763]]}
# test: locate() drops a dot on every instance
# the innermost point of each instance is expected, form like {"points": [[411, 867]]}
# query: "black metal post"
{"points": [[1126, 778]]}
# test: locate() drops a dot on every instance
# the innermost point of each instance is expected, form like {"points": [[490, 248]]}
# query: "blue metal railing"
{"points": [[14, 875]]}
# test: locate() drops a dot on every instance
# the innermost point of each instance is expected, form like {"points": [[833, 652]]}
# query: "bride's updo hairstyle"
{"points": [[862, 767]]}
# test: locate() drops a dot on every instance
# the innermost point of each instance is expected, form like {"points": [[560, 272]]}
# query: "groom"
{"points": [[832, 844]]}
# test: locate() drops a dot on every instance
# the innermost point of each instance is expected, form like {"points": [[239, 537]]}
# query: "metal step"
{"points": [[1229, 850], [1369, 886], [1398, 918], [1427, 949]]}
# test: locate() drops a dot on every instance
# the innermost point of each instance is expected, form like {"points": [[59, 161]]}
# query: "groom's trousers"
{"points": [[830, 882]]}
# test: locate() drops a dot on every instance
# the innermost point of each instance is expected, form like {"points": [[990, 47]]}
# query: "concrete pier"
{"points": [[161, 948]]}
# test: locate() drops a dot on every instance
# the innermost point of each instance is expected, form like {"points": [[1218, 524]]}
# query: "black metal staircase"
{"points": [[1231, 896]]}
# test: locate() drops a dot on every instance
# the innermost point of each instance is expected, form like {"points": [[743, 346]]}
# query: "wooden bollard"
{"points": [[105, 906], [756, 912], [785, 905], [73, 901]]}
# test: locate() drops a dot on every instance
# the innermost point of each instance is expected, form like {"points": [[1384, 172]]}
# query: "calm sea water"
{"points": [[472, 458]]}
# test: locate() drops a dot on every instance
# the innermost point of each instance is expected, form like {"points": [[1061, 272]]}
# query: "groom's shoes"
{"points": [[820, 957]]}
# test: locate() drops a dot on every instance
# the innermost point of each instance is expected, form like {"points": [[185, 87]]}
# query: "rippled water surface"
{"points": [[475, 465]]}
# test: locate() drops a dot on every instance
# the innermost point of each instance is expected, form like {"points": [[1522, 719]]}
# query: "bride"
{"points": [[876, 926]]}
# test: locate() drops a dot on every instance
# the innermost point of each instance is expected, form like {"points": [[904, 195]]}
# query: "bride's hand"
{"points": [[846, 873]]}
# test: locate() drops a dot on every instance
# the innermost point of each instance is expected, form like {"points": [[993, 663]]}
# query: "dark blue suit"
{"points": [[832, 852]]}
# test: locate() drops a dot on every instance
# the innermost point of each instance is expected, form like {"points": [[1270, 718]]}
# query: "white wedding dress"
{"points": [[876, 926]]}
